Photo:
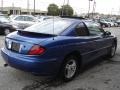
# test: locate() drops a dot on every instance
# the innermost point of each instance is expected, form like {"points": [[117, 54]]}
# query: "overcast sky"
{"points": [[80, 6]]}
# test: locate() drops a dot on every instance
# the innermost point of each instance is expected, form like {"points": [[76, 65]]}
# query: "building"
{"points": [[19, 10]]}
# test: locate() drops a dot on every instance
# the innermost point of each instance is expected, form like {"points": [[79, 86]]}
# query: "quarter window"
{"points": [[81, 30]]}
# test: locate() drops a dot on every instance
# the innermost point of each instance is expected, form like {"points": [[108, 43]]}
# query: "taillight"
{"points": [[36, 50]]}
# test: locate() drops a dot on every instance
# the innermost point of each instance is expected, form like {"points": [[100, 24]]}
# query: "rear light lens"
{"points": [[36, 50]]}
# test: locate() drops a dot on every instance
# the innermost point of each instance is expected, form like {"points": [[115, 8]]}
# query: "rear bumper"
{"points": [[31, 64]]}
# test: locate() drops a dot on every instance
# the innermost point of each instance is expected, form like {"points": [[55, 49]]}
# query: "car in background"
{"points": [[23, 21], [115, 23], [111, 22], [42, 18], [59, 50], [104, 23], [5, 26], [118, 22]]}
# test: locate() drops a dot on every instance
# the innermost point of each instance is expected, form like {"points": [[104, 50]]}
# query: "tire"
{"points": [[69, 68], [6, 31], [103, 26], [112, 51], [109, 25]]}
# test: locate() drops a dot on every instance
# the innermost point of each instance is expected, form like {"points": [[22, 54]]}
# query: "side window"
{"points": [[81, 30], [19, 18], [29, 19], [93, 28]]}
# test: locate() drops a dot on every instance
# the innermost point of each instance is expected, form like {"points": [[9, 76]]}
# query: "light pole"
{"points": [[63, 8], [34, 7], [1, 5], [13, 9], [68, 2], [28, 5], [67, 8], [94, 7], [89, 8]]}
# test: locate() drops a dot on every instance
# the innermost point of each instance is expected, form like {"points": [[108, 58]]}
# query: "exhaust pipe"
{"points": [[5, 65]]}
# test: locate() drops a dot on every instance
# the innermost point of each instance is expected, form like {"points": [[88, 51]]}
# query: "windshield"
{"points": [[108, 20], [3, 19], [46, 27]]}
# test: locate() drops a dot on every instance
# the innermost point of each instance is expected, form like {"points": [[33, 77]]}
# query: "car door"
{"points": [[87, 44], [102, 42]]}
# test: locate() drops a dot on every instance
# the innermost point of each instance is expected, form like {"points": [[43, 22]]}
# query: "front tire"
{"points": [[112, 51], [69, 68]]}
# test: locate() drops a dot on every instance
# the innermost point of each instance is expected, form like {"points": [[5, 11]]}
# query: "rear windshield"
{"points": [[46, 27]]}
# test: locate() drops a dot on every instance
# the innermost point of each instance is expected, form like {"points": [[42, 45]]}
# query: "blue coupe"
{"points": [[59, 46]]}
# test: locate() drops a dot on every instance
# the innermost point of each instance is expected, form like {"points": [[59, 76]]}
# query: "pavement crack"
{"points": [[43, 85]]}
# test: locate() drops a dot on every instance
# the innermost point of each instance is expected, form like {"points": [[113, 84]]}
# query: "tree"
{"points": [[53, 10], [66, 10]]}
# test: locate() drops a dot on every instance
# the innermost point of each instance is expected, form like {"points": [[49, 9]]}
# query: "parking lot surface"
{"points": [[104, 75]]}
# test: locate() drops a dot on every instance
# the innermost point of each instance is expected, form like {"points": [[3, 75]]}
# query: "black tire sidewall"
{"points": [[110, 52]]}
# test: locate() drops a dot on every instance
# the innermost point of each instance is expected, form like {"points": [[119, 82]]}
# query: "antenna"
{"points": [[53, 27], [34, 6]]}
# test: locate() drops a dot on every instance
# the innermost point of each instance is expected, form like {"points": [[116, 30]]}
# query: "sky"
{"points": [[79, 6]]}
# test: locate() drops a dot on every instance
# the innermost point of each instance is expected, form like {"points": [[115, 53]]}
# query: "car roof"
{"points": [[25, 15]]}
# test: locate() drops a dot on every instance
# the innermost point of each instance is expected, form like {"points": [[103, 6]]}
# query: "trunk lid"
{"points": [[22, 42]]}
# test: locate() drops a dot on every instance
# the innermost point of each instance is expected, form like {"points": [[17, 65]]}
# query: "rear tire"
{"points": [[69, 68]]}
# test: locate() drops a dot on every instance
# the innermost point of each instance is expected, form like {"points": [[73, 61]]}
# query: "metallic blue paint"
{"points": [[57, 48]]}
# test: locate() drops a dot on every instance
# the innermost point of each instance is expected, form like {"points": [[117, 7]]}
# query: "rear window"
{"points": [[46, 27]]}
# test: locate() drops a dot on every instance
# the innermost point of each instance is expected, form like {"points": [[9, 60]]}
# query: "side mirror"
{"points": [[107, 33]]}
